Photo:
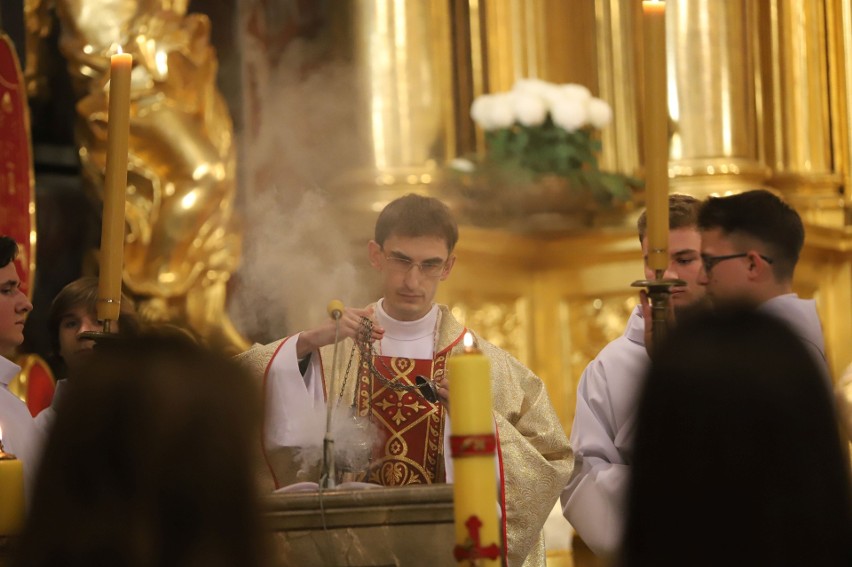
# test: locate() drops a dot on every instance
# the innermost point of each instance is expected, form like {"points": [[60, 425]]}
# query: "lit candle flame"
{"points": [[468, 340]]}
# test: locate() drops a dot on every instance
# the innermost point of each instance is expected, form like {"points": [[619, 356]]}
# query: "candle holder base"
{"points": [[660, 285], [101, 337]]}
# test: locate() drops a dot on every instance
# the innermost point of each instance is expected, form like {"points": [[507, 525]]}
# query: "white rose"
{"points": [[569, 114], [479, 111], [574, 91], [462, 164], [552, 95], [501, 111], [529, 108], [600, 113]]}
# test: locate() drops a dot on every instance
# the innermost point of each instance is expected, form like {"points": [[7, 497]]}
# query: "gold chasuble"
{"points": [[535, 458]]}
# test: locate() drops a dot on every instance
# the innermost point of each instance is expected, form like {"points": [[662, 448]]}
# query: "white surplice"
{"points": [[21, 436], [602, 437], [607, 401]]}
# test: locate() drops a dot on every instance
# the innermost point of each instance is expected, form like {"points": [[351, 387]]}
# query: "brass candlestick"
{"points": [[659, 294]]}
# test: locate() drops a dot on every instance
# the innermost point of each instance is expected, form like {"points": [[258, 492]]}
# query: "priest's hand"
{"points": [[350, 326]]}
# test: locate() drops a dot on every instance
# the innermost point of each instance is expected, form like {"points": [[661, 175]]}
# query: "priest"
{"points": [[394, 354]]}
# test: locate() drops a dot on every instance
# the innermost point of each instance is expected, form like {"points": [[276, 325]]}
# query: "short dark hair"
{"points": [[83, 292], [763, 216], [683, 213], [415, 215], [8, 250]]}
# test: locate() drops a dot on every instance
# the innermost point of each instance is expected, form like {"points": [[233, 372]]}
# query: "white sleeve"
{"points": [[21, 437], [594, 500], [294, 403]]}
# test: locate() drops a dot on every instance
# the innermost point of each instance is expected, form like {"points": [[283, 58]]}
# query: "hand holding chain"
{"points": [[364, 344]]}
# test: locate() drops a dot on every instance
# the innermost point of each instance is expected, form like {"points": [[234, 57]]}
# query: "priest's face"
{"points": [[72, 347], [14, 307], [684, 264], [411, 269]]}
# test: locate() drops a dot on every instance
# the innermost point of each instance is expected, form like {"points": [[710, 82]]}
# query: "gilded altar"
{"points": [[554, 298], [366, 100], [771, 107]]}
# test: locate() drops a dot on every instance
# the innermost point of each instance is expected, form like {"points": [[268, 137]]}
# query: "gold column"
{"points": [[401, 56], [712, 103], [839, 21], [797, 103], [551, 40], [514, 41], [824, 273], [615, 37], [566, 42]]}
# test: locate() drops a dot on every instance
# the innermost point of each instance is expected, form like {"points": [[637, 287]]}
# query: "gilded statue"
{"points": [[182, 242], [37, 24]]}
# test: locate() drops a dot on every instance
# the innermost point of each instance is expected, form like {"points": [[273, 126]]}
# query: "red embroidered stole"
{"points": [[411, 447]]}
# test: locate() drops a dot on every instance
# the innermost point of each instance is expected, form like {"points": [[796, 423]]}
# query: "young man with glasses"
{"points": [[607, 397], [750, 244], [388, 351]]}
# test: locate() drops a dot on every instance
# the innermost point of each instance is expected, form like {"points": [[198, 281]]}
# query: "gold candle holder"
{"points": [[107, 335], [659, 294]]}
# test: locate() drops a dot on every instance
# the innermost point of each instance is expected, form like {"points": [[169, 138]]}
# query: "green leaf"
{"points": [[517, 155]]}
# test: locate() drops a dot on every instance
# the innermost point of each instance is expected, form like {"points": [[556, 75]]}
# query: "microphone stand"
{"points": [[328, 473]]}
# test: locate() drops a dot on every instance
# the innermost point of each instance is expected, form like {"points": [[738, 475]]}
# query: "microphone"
{"points": [[427, 388], [335, 309]]}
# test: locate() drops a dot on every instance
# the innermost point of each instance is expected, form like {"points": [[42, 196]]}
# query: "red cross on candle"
{"points": [[472, 549]]}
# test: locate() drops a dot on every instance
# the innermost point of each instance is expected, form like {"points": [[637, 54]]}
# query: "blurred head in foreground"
{"points": [[149, 463], [737, 458]]}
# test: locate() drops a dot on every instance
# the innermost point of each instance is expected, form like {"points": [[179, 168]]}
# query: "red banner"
{"points": [[17, 200]]}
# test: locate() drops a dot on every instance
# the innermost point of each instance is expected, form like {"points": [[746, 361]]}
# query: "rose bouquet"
{"points": [[540, 129]]}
